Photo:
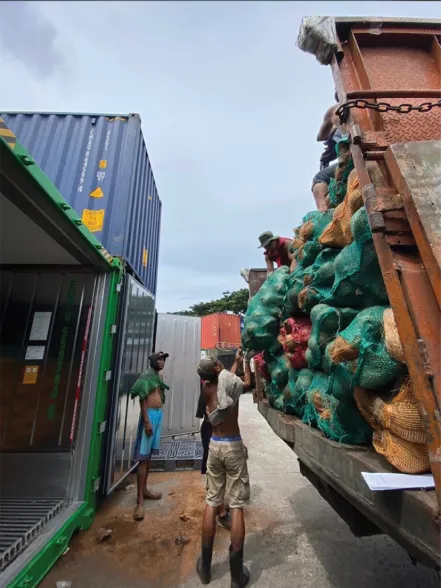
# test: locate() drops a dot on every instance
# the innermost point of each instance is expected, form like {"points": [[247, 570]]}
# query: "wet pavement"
{"points": [[294, 539]]}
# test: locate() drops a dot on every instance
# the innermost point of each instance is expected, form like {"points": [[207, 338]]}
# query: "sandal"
{"points": [[138, 514], [150, 495]]}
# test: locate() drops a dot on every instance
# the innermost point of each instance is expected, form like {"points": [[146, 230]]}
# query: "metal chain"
{"points": [[344, 109]]}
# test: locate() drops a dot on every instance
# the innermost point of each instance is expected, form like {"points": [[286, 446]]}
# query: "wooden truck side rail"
{"points": [[335, 470]]}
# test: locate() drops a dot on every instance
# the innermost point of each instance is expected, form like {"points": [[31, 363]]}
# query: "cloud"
{"points": [[230, 109], [28, 37]]}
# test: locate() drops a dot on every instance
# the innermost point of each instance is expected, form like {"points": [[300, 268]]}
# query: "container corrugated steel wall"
{"points": [[180, 337], [101, 166], [220, 330]]}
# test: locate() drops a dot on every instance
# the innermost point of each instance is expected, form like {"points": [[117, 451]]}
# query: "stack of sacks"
{"points": [[262, 320]]}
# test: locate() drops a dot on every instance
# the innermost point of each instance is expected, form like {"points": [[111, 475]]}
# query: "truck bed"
{"points": [[409, 517]]}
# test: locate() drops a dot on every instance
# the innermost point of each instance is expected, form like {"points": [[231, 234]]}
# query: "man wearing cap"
{"points": [[150, 389], [277, 250]]}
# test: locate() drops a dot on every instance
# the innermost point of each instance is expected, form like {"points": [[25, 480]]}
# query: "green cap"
{"points": [[266, 238]]}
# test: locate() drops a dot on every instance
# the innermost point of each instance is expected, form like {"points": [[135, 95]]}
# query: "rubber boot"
{"points": [[240, 576], [203, 565]]}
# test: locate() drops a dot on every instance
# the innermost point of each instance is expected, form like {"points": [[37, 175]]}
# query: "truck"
{"points": [[387, 78]]}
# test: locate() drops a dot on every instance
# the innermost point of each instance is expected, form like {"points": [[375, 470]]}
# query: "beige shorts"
{"points": [[227, 473]]}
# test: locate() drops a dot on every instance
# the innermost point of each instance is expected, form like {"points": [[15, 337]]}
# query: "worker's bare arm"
{"points": [[328, 124]]}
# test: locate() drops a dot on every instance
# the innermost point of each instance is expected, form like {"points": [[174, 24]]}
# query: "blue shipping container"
{"points": [[101, 166]]}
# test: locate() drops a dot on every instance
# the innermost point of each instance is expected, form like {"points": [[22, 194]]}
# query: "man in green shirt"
{"points": [[150, 389]]}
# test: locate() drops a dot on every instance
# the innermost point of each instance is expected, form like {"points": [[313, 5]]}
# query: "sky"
{"points": [[230, 109]]}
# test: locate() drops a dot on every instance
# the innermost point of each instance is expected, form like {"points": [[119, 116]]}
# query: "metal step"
{"points": [[21, 519]]}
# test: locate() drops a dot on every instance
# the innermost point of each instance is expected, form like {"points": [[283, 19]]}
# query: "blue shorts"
{"points": [[324, 176], [145, 446]]}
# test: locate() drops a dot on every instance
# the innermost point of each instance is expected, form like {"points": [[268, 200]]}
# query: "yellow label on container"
{"points": [[93, 219], [145, 257], [31, 374], [97, 193], [103, 164]]}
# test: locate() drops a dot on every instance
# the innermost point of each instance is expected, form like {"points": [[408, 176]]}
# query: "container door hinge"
{"points": [[118, 287], [108, 375], [97, 484], [102, 427], [113, 329]]}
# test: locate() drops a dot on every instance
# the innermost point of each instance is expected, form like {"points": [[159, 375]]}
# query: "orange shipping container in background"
{"points": [[220, 330]]}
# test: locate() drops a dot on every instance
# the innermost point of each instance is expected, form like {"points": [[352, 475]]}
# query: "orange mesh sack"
{"points": [[408, 458], [367, 403], [392, 339], [401, 416], [338, 233]]}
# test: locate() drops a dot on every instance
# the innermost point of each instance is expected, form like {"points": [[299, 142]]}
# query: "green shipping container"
{"points": [[59, 305]]}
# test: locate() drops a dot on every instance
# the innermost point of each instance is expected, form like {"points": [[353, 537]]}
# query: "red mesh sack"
{"points": [[261, 366], [294, 336]]}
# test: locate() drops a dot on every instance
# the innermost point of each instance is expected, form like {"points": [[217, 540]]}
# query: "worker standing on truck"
{"points": [[226, 468], [330, 133], [150, 389], [277, 250]]}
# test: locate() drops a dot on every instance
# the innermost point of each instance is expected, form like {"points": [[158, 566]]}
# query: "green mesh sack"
{"points": [[327, 322], [322, 270], [295, 285], [307, 254], [293, 404], [342, 380], [338, 188], [364, 339], [303, 381], [342, 422], [262, 320], [318, 386], [316, 221], [279, 370], [358, 281], [312, 295]]}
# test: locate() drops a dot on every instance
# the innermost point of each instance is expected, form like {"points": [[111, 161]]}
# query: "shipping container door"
{"points": [[180, 336], [135, 340]]}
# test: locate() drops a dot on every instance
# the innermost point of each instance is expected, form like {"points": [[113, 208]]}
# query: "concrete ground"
{"points": [[294, 539]]}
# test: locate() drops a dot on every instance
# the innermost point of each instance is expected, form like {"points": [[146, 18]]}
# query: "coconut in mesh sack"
{"points": [[399, 415], [408, 458], [364, 341], [318, 281], [358, 281], [294, 335], [342, 380], [297, 390], [313, 395], [338, 185], [326, 323], [314, 223], [262, 320], [338, 232], [295, 285], [294, 404], [342, 422]]}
